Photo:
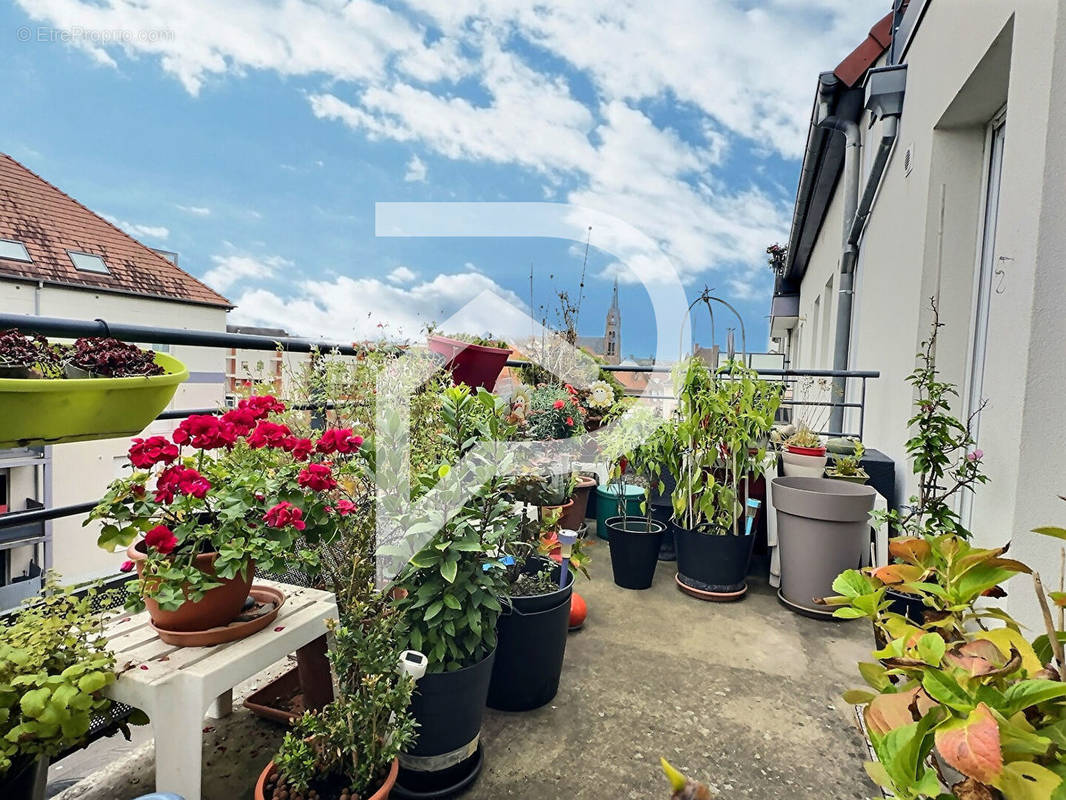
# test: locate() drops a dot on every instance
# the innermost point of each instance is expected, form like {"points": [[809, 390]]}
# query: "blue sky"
{"points": [[255, 137]]}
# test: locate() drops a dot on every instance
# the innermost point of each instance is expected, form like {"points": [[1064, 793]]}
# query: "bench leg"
{"points": [[178, 731], [223, 705]]}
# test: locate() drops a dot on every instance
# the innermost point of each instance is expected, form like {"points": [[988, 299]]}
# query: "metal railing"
{"points": [[69, 328]]}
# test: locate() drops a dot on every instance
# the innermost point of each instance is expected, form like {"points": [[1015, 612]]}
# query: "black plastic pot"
{"points": [[25, 780], [712, 563], [907, 605], [448, 707], [531, 643], [667, 549], [634, 543]]}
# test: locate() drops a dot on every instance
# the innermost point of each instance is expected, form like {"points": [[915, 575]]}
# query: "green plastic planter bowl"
{"points": [[607, 504], [35, 412]]}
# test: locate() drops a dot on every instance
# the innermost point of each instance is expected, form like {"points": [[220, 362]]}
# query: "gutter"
{"points": [[827, 85]]}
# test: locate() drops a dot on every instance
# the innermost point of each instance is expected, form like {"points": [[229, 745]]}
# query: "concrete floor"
{"points": [[744, 696]]}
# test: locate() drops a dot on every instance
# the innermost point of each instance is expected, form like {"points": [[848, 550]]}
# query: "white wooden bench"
{"points": [[175, 686]]}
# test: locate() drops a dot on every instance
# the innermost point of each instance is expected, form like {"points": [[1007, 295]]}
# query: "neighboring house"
{"points": [[59, 259], [953, 129]]}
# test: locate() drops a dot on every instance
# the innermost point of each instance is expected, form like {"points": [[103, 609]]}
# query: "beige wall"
{"points": [[966, 60], [82, 470]]}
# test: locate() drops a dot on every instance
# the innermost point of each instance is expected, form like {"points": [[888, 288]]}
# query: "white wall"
{"points": [[922, 241]]}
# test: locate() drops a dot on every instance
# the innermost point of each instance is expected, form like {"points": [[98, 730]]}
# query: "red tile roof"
{"points": [[852, 68], [49, 222]]}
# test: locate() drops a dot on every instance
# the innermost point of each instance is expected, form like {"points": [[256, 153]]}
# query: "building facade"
{"points": [[935, 171], [44, 236]]}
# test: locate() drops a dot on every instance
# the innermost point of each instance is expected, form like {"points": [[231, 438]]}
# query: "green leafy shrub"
{"points": [[53, 665], [450, 587], [353, 740]]}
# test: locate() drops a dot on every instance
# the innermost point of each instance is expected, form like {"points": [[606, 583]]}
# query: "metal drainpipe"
{"points": [[852, 235], [852, 148]]}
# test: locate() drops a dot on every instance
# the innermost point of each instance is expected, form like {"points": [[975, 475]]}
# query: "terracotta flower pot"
{"points": [[380, 794], [566, 507], [574, 515], [217, 607]]}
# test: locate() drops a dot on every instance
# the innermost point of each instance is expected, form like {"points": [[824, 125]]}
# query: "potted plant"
{"points": [[473, 360], [531, 632], [944, 459], [38, 405], [955, 706], [553, 412], [349, 748], [804, 454], [635, 539], [94, 357], [223, 494], [54, 663], [448, 594], [849, 467], [721, 414]]}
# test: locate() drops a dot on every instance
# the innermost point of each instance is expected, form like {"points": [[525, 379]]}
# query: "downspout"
{"points": [[885, 90], [852, 148]]}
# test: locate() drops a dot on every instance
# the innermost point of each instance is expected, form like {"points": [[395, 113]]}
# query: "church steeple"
{"points": [[612, 334]]}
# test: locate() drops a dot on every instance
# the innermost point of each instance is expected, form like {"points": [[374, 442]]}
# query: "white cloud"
{"points": [[229, 270], [416, 170], [356, 309], [199, 211], [741, 75], [401, 275], [138, 230]]}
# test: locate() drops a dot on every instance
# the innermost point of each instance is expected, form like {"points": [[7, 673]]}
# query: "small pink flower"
{"points": [[558, 404], [569, 420], [127, 566], [976, 455]]}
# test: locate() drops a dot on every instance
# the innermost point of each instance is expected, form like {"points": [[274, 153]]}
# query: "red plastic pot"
{"points": [[806, 451], [472, 364]]}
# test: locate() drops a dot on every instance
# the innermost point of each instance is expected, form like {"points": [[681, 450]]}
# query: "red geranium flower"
{"points": [[242, 420], [345, 507], [339, 440], [145, 453], [127, 566], [285, 514], [205, 432], [300, 448], [269, 434], [317, 477], [180, 479], [261, 405], [161, 539]]}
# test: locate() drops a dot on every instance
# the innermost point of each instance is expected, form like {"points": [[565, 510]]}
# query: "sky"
{"points": [[253, 137]]}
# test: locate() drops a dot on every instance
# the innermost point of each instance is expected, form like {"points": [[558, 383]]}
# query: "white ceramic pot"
{"points": [[800, 466]]}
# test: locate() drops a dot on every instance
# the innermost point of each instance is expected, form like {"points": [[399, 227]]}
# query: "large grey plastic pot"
{"points": [[823, 528]]}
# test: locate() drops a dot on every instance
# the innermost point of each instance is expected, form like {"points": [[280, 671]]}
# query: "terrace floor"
{"points": [[744, 696]]}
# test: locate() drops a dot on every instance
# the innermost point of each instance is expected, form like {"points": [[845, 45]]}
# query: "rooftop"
{"points": [[69, 245]]}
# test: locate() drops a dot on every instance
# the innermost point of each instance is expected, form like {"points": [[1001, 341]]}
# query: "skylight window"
{"points": [[15, 251], [87, 262]]}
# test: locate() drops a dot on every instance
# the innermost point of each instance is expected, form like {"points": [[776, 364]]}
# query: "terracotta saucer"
{"points": [[714, 597], [235, 630]]}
